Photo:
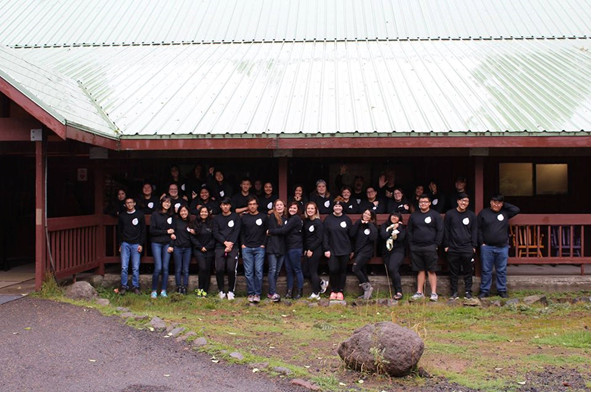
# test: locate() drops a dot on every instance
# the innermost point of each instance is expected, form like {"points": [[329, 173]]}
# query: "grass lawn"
{"points": [[509, 348]]}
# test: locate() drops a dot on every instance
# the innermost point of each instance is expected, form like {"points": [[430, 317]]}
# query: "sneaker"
{"points": [[468, 295], [230, 295], [136, 291], [221, 295], [122, 290], [256, 299], [339, 296], [153, 295], [483, 295], [503, 294], [314, 296], [417, 296], [270, 295], [250, 298], [333, 296], [324, 285], [275, 297], [163, 293], [398, 296], [434, 297], [454, 296]]}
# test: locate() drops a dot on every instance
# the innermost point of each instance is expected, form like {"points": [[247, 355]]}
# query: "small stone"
{"points": [[122, 309], [102, 302], [305, 384], [157, 323], [127, 315], [313, 304], [535, 299], [282, 370], [496, 303], [237, 355], [423, 373], [337, 303], [324, 302], [176, 331], [473, 302], [260, 366], [512, 302], [171, 326], [81, 290], [186, 336], [200, 342]]}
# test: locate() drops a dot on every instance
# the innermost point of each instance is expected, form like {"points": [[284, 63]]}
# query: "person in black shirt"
{"points": [[253, 236], [364, 233], [203, 199], [176, 200], [460, 244], [276, 248], [203, 249], [358, 191], [195, 181], [267, 198], [493, 224], [393, 232], [373, 201], [298, 196], [219, 188], [117, 204], [322, 197], [227, 226], [312, 232], [399, 203], [350, 206], [240, 200], [131, 236], [337, 246], [182, 245], [147, 202], [438, 199], [424, 232], [161, 229]]}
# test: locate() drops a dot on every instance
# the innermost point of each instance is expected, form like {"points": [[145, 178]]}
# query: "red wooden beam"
{"points": [[17, 130], [91, 139], [40, 245], [32, 108]]}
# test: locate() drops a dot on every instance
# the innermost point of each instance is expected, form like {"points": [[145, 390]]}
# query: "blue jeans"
{"points": [[130, 251], [294, 268], [161, 264], [253, 258], [182, 260], [491, 257], [275, 265]]}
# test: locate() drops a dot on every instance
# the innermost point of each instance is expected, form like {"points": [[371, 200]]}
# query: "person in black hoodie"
{"points": [[322, 197], [337, 246], [182, 246], [161, 229], [493, 224], [393, 232], [312, 232], [460, 244], [425, 230], [204, 199], [253, 237], [292, 232], [147, 201], [176, 200], [131, 236], [364, 233], [117, 204], [203, 249], [373, 201], [276, 248], [227, 227]]}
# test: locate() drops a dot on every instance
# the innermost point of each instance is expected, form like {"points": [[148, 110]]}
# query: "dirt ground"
{"points": [[50, 346]]}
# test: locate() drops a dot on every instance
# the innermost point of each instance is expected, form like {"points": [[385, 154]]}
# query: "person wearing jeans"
{"points": [[493, 225], [276, 249], [161, 229], [253, 239], [131, 235], [181, 246]]}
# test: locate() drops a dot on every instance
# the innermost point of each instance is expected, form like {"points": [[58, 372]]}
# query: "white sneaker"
{"points": [[324, 285], [417, 296], [250, 298], [230, 295], [221, 295], [434, 297], [314, 296]]}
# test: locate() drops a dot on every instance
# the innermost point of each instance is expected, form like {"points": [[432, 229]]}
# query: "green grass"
{"points": [[577, 339]]}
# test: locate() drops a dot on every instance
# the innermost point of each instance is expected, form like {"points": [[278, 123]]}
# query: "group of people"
{"points": [[265, 227]]}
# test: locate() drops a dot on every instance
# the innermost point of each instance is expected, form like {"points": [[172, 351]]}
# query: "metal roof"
{"points": [[33, 23], [257, 86]]}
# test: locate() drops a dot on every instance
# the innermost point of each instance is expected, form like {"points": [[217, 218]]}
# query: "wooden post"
{"points": [[479, 191], [40, 220], [99, 184], [283, 178]]}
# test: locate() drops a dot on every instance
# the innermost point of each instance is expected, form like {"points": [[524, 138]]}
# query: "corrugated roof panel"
{"points": [[79, 22]]}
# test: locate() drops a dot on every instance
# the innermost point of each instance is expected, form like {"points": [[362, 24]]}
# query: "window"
{"points": [[528, 179], [551, 179]]}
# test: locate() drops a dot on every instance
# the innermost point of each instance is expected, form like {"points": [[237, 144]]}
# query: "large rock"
{"points": [[384, 347], [81, 290]]}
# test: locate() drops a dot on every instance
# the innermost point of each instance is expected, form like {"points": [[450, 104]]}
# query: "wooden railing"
{"points": [[77, 244]]}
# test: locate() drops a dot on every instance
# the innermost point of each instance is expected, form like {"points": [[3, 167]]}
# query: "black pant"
{"points": [[393, 262], [226, 263], [313, 269], [204, 264], [359, 266], [459, 264], [338, 272]]}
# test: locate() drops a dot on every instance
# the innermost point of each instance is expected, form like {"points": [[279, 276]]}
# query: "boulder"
{"points": [[384, 347], [157, 323], [81, 290], [102, 302], [535, 299], [200, 342]]}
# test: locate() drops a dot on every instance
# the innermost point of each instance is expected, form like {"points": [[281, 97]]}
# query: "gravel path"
{"points": [[50, 346]]}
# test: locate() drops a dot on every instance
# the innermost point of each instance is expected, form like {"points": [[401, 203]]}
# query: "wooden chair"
{"points": [[527, 240], [561, 241]]}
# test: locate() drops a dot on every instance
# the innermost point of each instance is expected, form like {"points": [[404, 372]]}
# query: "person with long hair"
{"points": [[181, 247], [161, 229], [276, 248], [337, 246], [393, 233], [298, 196], [203, 249], [364, 233], [312, 233], [292, 232], [227, 227]]}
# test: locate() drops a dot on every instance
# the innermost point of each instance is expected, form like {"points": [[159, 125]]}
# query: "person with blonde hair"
{"points": [[312, 233]]}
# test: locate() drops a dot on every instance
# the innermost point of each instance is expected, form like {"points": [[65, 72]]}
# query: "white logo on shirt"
{"points": [[150, 205], [311, 229], [466, 221], [177, 206], [222, 193], [188, 229], [135, 221], [366, 231], [435, 201], [269, 205], [183, 187], [428, 220], [500, 217], [170, 220], [231, 223], [327, 203], [351, 206], [343, 224], [259, 222]]}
